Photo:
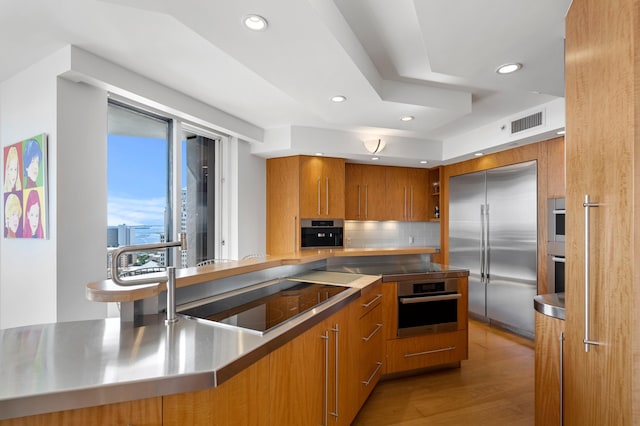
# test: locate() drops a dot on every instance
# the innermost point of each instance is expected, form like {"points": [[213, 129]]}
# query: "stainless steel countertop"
{"points": [[403, 271], [551, 305], [60, 366]]}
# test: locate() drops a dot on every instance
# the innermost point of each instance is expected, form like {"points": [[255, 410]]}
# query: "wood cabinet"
{"points": [[365, 192], [434, 179], [147, 412], [548, 361], [424, 350], [322, 187], [406, 190], [301, 187], [555, 168], [241, 400], [602, 148]]}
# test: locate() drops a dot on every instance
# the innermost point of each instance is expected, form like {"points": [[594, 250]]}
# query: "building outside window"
{"points": [[141, 163]]}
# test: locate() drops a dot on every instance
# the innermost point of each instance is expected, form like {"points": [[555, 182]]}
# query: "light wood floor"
{"points": [[494, 387]]}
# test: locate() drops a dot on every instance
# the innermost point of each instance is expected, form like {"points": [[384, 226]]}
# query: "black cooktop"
{"points": [[263, 309]]}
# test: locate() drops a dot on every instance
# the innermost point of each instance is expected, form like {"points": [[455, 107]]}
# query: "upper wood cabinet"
{"points": [[365, 192], [406, 190], [301, 187], [322, 187]]}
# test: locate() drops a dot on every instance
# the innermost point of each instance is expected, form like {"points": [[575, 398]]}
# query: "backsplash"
{"points": [[365, 234]]}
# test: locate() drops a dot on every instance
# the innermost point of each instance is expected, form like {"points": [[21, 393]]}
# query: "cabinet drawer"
{"points": [[371, 351], [370, 298], [426, 350]]}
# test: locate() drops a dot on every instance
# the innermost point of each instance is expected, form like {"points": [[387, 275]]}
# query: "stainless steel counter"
{"points": [[53, 367], [551, 305], [396, 268]]}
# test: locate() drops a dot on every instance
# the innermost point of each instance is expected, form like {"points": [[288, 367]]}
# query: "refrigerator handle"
{"points": [[482, 244], [587, 340], [487, 247]]}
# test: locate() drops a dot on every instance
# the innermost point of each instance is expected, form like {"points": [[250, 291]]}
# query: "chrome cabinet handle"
{"points": [[318, 196], [373, 333], [422, 299], [561, 379], [327, 206], [366, 201], [325, 337], [587, 341], [358, 200], [411, 202], [337, 363], [450, 348], [366, 382], [366, 305], [295, 233]]}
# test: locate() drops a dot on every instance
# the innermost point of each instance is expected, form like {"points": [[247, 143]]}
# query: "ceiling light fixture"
{"points": [[423, 162], [319, 154], [479, 154], [374, 146], [255, 22], [338, 98], [374, 158], [508, 68], [560, 132], [407, 118]]}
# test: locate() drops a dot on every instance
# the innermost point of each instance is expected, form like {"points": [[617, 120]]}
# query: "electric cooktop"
{"points": [[262, 309]]}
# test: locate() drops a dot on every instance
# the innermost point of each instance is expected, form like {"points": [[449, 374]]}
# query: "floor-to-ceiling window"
{"points": [[145, 150]]}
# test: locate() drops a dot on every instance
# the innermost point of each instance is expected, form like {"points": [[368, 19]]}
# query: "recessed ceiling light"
{"points": [[338, 98], [508, 68], [375, 158], [479, 154], [407, 118], [423, 162], [560, 132], [319, 154], [255, 22]]}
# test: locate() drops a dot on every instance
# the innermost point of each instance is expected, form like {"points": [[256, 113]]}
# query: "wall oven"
{"points": [[321, 233], [555, 267], [556, 218], [427, 306]]}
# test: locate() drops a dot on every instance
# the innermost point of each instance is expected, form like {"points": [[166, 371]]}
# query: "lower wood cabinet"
{"points": [[144, 412], [411, 353], [548, 374]]}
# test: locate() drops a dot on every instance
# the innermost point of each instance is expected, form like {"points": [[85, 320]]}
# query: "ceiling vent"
{"points": [[525, 123]]}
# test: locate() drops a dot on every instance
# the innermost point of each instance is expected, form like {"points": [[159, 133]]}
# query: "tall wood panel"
{"points": [[601, 386]]}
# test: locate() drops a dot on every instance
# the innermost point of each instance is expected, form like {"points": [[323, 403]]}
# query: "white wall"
{"points": [[27, 267], [44, 281]]}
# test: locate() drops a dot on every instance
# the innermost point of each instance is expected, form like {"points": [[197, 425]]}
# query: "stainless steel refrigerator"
{"points": [[493, 233]]}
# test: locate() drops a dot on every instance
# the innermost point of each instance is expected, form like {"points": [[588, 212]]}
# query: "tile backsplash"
{"points": [[365, 234]]}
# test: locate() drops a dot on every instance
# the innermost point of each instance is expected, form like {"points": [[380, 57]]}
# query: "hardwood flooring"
{"points": [[494, 387]]}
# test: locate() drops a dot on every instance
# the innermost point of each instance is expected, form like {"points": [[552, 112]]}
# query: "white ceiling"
{"points": [[431, 59]]}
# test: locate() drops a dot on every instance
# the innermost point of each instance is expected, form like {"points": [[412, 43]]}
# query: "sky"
{"points": [[136, 180]]}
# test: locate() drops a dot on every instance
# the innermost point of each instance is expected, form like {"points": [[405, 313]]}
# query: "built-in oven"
{"points": [[321, 232], [556, 218], [427, 306], [555, 267]]}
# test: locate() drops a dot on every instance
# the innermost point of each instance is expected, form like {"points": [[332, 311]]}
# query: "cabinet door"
{"points": [[297, 390], [374, 192], [146, 412], [311, 184], [397, 194], [417, 184], [547, 370], [283, 203], [241, 400], [354, 192], [332, 188], [602, 162]]}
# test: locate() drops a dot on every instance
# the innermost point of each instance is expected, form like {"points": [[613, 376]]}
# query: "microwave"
{"points": [[321, 233], [556, 219]]}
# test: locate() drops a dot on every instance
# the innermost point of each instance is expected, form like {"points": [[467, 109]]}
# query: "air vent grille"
{"points": [[528, 122]]}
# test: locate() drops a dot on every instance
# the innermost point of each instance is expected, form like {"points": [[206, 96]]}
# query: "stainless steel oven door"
{"points": [[555, 267], [556, 219], [427, 307]]}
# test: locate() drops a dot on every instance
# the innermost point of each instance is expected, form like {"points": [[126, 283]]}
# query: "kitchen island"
{"points": [[68, 366]]}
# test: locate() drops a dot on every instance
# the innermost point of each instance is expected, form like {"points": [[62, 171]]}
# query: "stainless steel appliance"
{"points": [[555, 267], [427, 306], [556, 217], [493, 233], [263, 307], [321, 232]]}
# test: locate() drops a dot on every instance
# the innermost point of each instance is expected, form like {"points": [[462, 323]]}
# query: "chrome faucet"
{"points": [[170, 279]]}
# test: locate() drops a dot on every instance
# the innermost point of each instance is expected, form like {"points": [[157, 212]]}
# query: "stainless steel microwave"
{"points": [[321, 232], [556, 219]]}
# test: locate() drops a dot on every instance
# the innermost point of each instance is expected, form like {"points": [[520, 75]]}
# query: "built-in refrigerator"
{"points": [[493, 233]]}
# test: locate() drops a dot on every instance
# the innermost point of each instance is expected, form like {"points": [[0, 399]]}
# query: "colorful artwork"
{"points": [[25, 188]]}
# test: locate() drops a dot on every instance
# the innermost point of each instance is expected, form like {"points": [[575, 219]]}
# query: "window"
{"points": [[141, 163]]}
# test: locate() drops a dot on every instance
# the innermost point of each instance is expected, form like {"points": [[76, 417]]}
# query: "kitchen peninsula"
{"points": [[66, 371]]}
